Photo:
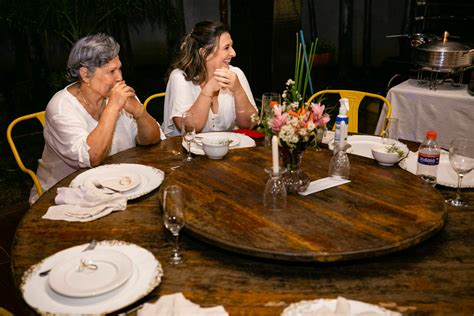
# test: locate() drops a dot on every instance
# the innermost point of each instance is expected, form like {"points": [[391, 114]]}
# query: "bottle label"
{"points": [[430, 160]]}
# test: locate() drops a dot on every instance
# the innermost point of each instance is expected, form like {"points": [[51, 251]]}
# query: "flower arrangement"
{"points": [[295, 122]]}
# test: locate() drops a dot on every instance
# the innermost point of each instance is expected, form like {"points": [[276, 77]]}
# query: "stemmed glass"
{"points": [[188, 131], [173, 217], [269, 99], [390, 131], [461, 158]]}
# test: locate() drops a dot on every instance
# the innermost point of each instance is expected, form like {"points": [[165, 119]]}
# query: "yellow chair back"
{"points": [[355, 98], [151, 97], [40, 117]]}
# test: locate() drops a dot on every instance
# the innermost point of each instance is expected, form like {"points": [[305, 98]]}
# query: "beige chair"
{"points": [[40, 117], [355, 99]]}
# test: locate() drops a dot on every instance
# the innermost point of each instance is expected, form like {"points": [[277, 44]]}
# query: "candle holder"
{"points": [[274, 197]]}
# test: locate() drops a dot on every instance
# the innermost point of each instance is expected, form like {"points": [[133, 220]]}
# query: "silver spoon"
{"points": [[90, 246]]}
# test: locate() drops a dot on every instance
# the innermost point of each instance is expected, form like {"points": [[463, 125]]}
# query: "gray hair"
{"points": [[92, 51]]}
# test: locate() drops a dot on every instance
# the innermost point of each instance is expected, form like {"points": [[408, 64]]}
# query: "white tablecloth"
{"points": [[448, 110]]}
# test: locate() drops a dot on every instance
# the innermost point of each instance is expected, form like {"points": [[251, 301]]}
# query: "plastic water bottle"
{"points": [[342, 121], [428, 158]]}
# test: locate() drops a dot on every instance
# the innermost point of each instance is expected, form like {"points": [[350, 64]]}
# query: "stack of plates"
{"points": [[132, 180], [124, 273]]}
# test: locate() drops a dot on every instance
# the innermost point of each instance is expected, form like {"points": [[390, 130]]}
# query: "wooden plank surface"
{"points": [[433, 277]]}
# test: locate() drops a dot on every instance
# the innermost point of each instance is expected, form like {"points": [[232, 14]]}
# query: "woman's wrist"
{"points": [[140, 113], [207, 95]]}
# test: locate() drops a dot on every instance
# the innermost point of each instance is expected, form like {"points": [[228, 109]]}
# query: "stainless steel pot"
{"points": [[444, 54]]}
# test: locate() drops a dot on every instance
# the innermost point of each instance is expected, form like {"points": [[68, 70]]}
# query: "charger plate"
{"points": [[149, 178], [146, 275]]}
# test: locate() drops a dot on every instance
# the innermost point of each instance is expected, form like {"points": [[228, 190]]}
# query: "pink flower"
{"points": [[319, 117], [278, 120]]}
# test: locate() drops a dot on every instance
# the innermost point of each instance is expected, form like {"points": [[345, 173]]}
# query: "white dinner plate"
{"points": [[339, 307], [108, 269], [146, 275], [446, 175], [237, 141], [361, 145], [149, 178]]}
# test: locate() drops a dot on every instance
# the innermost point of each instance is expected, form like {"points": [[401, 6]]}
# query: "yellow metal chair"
{"points": [[355, 99], [153, 96], [40, 117]]}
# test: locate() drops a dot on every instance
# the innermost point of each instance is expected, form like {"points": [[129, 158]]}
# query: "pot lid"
{"points": [[443, 45]]}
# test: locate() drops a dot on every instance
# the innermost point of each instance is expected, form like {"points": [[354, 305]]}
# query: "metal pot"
{"points": [[444, 54]]}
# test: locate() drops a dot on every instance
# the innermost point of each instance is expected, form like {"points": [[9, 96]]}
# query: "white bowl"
{"points": [[216, 147], [385, 158]]}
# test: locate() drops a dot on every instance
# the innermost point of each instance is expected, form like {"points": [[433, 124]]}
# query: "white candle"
{"points": [[276, 167]]}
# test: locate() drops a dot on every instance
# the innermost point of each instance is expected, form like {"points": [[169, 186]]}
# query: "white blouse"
{"points": [[181, 94], [65, 132]]}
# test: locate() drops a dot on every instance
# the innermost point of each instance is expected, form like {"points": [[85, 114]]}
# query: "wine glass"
{"points": [[390, 131], [461, 158], [173, 217], [269, 100], [188, 131]]}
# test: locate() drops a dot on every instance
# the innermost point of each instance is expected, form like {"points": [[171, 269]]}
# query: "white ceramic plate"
{"points": [[113, 268], [238, 141], [446, 175], [339, 307], [150, 178], [362, 145], [121, 182], [146, 275]]}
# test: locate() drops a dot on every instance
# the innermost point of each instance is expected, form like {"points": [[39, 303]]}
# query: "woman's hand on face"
{"points": [[120, 94], [227, 79]]}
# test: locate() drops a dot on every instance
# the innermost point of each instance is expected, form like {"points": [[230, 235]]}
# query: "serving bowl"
{"points": [[388, 155], [215, 147]]}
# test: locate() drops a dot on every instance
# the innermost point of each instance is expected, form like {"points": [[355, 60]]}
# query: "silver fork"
{"points": [[90, 246], [101, 187]]}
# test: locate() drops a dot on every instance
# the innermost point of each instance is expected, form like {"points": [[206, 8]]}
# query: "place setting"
{"points": [[112, 275], [213, 144]]}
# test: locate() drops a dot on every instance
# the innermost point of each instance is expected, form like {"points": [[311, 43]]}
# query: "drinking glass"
{"points": [[461, 158], [269, 99], [274, 196], [339, 166], [390, 131], [188, 131], [173, 217]]}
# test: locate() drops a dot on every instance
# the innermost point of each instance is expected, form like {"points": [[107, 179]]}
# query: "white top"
{"points": [[67, 126], [181, 94]]}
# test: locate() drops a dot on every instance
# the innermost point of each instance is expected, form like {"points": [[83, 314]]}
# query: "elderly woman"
{"points": [[96, 116], [203, 82]]}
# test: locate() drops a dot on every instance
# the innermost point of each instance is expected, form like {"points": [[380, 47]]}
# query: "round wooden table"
{"points": [[382, 210]]}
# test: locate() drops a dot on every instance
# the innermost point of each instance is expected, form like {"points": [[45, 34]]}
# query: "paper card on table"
{"points": [[323, 184]]}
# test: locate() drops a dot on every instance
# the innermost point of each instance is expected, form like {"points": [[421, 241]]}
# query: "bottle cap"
{"points": [[431, 134]]}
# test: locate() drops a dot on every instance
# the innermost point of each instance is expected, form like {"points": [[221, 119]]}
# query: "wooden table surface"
{"points": [[433, 277]]}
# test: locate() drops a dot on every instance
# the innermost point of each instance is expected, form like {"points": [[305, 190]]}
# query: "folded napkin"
{"points": [[84, 205], [251, 133], [323, 184], [177, 305], [343, 307]]}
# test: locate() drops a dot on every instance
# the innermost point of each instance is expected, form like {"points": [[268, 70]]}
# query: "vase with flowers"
{"points": [[297, 123]]}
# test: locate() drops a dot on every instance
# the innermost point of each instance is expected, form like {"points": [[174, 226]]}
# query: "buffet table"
{"points": [[257, 263], [448, 110]]}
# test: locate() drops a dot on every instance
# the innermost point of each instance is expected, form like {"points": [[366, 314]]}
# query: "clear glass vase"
{"points": [[295, 179]]}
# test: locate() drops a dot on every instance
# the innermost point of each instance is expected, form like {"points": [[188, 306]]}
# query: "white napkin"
{"points": [[84, 205], [323, 184], [177, 305]]}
